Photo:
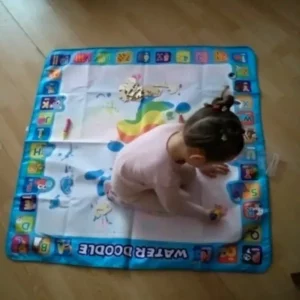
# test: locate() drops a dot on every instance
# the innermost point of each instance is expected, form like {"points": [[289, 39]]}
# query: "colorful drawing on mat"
{"points": [[182, 108], [101, 211], [56, 203], [101, 177], [115, 146], [68, 154], [148, 116], [64, 184], [67, 182]]}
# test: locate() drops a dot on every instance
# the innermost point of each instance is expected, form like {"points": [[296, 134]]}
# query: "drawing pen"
{"points": [[67, 128]]}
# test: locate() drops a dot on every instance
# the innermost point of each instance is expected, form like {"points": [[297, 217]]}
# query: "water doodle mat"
{"points": [[92, 102]]}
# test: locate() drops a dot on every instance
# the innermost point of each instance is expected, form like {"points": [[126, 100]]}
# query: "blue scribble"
{"points": [[67, 182], [55, 203], [98, 175], [115, 146], [100, 185], [92, 175], [183, 108], [69, 153], [103, 95]]}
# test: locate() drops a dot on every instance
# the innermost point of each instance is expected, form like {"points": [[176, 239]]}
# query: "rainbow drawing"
{"points": [[148, 116]]}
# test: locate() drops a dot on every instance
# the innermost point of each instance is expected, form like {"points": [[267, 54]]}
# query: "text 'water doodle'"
{"points": [[115, 146], [67, 182]]}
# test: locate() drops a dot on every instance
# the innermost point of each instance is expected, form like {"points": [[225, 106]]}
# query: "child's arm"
{"points": [[177, 201]]}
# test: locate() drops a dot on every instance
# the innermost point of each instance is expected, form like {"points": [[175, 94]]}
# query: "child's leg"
{"points": [[146, 201]]}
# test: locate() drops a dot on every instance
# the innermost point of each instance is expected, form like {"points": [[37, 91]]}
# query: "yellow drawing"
{"points": [[148, 117], [101, 211], [109, 107]]}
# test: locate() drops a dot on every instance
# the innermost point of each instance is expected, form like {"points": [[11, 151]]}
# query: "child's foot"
{"points": [[213, 170], [217, 213]]}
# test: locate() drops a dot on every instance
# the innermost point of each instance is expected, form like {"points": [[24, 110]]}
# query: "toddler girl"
{"points": [[152, 173]]}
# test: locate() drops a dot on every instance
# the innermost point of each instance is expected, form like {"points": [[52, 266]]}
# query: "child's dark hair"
{"points": [[216, 130]]}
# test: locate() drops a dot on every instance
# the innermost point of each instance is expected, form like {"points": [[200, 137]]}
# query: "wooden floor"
{"points": [[30, 29]]}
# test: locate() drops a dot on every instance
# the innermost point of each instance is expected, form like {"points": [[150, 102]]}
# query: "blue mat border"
{"points": [[146, 263]]}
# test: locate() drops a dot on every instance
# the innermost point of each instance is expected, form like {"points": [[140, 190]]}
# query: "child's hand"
{"points": [[217, 213], [213, 170]]}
